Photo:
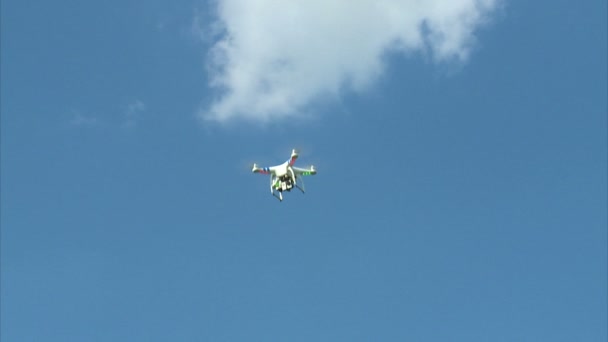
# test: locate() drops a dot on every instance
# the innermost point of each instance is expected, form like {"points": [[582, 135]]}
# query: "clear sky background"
{"points": [[461, 193]]}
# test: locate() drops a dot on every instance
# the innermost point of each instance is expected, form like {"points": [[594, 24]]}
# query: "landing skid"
{"points": [[276, 189], [302, 182]]}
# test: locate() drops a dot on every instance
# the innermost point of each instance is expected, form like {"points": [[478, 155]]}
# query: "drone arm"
{"points": [[262, 170], [294, 156], [305, 172]]}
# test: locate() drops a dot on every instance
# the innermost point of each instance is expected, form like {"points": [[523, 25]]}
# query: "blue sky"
{"points": [[461, 193]]}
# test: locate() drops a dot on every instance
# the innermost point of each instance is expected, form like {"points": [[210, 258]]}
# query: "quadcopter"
{"points": [[285, 177]]}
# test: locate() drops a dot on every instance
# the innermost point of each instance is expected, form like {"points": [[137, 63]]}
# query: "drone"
{"points": [[285, 177]]}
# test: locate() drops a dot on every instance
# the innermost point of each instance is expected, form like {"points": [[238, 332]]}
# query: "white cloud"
{"points": [[79, 119], [132, 113], [274, 57]]}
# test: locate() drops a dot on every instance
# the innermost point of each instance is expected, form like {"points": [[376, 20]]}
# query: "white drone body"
{"points": [[285, 177]]}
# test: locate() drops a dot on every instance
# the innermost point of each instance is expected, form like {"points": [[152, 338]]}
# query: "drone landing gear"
{"points": [[279, 197], [272, 189], [302, 182]]}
